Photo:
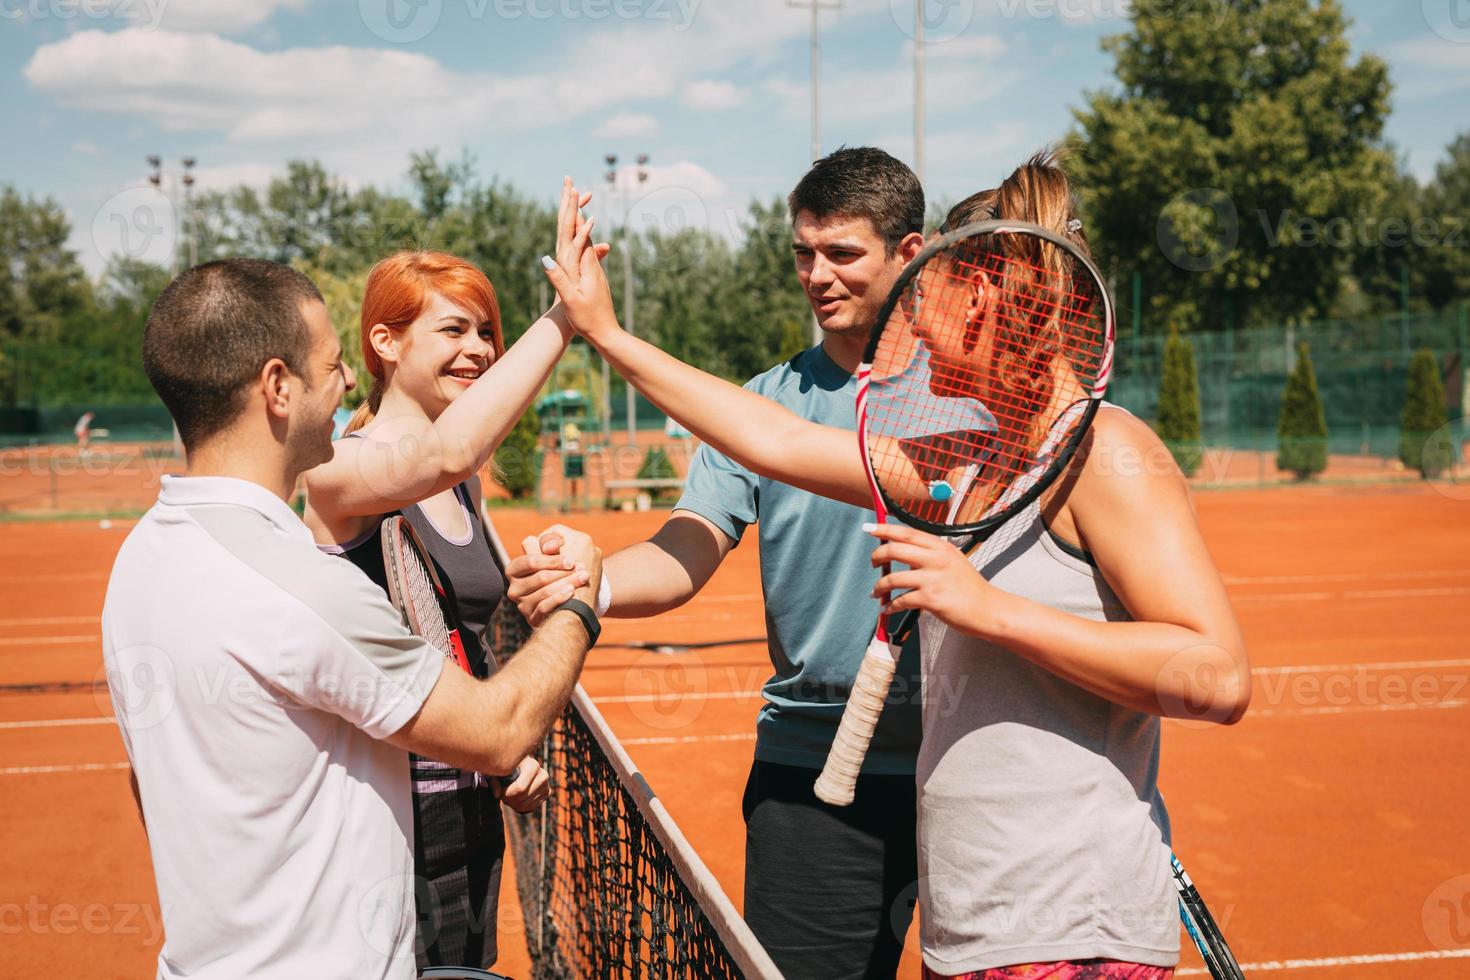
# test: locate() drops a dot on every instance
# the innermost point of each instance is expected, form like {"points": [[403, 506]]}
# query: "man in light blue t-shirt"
{"points": [[828, 890]]}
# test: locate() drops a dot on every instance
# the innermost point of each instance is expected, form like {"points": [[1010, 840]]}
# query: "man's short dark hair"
{"points": [[863, 182], [212, 330]]}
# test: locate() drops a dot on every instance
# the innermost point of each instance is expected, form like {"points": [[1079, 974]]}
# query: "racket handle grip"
{"points": [[838, 782]]}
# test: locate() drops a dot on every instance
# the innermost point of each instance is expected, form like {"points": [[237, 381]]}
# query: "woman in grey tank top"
{"points": [[445, 393], [1049, 657]]}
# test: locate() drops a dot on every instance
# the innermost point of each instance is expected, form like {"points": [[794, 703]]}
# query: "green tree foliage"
{"points": [[1302, 431], [517, 464], [342, 293], [656, 465], [1446, 202], [1424, 441], [1179, 412], [1236, 132]]}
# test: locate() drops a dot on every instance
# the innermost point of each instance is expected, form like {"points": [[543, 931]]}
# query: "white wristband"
{"points": [[604, 596]]}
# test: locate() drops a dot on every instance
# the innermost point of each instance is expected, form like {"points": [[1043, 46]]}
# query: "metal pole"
{"points": [[919, 90], [816, 86], [628, 320], [1137, 301]]}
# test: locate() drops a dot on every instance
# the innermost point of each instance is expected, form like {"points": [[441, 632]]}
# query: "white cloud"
{"points": [[221, 16], [626, 125], [86, 148], [710, 94]]}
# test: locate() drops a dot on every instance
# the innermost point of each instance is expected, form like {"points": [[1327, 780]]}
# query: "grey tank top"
{"points": [[1042, 835]]}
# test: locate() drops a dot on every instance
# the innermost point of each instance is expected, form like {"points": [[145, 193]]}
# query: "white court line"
{"points": [[1331, 961], [673, 696], [51, 621], [53, 577], [1348, 668], [1341, 577], [58, 722], [86, 767], [688, 739], [1353, 709], [48, 641], [1270, 597]]}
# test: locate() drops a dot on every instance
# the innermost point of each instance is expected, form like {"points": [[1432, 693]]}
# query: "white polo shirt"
{"points": [[253, 678]]}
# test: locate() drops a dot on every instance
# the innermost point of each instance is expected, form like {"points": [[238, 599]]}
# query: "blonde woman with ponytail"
{"points": [[445, 392], [1049, 656]]}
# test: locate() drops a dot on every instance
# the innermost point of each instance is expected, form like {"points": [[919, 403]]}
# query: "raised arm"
{"points": [[404, 461], [1182, 656], [754, 431]]}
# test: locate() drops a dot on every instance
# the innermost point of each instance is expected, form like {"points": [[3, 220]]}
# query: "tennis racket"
{"points": [[420, 598], [984, 370], [417, 593], [1200, 925]]}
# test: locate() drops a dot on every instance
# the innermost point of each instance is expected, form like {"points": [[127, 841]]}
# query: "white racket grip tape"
{"points": [[838, 781]]}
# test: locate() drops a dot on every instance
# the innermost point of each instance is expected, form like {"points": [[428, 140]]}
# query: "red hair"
{"points": [[398, 290]]}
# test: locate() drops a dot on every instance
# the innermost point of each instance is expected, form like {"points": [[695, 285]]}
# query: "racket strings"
{"points": [[1012, 333], [424, 601]]}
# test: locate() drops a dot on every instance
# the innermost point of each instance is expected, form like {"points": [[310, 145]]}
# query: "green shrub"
{"points": [[657, 466], [1424, 442], [1179, 411], [517, 466], [1302, 432]]}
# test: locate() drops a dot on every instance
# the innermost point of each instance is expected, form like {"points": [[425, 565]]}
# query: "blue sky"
{"points": [[716, 91]]}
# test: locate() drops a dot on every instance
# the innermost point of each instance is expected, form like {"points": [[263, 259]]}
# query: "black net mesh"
{"points": [[601, 894]]}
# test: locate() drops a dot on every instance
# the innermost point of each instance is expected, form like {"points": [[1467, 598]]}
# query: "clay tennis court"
{"points": [[1328, 831]]}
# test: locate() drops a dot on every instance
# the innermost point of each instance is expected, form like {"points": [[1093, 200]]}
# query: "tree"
{"points": [[1424, 442], [1446, 203], [657, 466], [342, 294], [1241, 142], [517, 464], [1302, 431], [1179, 411]]}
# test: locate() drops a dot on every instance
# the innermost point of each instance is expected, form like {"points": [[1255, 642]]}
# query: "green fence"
{"points": [[1361, 366]]}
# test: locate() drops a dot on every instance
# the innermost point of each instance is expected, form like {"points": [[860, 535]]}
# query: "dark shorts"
{"points": [[459, 844], [829, 890]]}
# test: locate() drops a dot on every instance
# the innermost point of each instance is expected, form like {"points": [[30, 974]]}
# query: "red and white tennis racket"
{"points": [[983, 372], [416, 592]]}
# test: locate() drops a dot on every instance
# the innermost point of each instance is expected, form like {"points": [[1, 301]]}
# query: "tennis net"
{"points": [[608, 884]]}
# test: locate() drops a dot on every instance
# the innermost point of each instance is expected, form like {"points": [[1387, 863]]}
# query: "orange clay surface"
{"points": [[1329, 830]]}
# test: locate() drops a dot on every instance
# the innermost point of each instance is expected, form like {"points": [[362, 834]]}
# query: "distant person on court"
{"points": [[857, 218], [445, 392], [267, 693], [83, 431], [1044, 843]]}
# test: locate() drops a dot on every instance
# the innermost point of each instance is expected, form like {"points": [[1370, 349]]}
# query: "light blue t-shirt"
{"points": [[816, 576]]}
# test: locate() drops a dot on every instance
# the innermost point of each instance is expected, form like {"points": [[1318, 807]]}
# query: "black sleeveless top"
{"points": [[466, 567]]}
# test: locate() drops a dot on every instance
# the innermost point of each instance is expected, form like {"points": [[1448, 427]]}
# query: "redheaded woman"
{"points": [[445, 392]]}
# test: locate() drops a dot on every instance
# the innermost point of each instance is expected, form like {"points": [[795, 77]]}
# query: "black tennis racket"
{"points": [[1200, 925], [983, 372]]}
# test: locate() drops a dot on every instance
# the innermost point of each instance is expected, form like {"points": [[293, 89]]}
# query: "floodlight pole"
{"points": [[641, 177], [919, 90], [156, 177], [816, 6]]}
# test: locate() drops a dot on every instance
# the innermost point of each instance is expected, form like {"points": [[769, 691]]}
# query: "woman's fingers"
{"points": [[904, 554]]}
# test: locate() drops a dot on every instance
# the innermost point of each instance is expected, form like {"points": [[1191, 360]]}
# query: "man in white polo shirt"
{"points": [[267, 692]]}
